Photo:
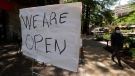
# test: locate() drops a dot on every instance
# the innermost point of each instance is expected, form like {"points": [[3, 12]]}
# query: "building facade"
{"points": [[122, 10]]}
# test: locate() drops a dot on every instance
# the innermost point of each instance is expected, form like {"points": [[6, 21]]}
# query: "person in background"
{"points": [[117, 41]]}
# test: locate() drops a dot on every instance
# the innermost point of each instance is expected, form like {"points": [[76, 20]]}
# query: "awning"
{"points": [[5, 5]]}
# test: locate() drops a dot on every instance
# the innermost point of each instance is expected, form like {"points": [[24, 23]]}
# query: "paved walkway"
{"points": [[97, 63]]}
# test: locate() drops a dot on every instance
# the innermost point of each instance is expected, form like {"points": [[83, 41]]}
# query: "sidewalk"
{"points": [[97, 63]]}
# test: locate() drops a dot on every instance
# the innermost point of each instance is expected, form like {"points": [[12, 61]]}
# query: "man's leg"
{"points": [[113, 55], [118, 56]]}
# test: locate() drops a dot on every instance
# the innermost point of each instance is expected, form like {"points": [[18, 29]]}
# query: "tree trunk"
{"points": [[86, 23]]}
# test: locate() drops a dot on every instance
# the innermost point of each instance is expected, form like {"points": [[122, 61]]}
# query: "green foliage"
{"points": [[106, 36], [128, 19], [132, 50], [125, 31], [99, 37], [132, 44], [96, 12], [132, 4], [130, 41]]}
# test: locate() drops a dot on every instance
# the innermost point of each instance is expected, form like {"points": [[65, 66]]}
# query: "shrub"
{"points": [[126, 31], [106, 36], [130, 41], [99, 37], [132, 50]]}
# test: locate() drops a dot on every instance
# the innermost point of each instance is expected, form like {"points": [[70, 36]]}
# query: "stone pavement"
{"points": [[97, 63]]}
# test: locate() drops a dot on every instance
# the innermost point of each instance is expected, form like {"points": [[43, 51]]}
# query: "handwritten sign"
{"points": [[51, 34]]}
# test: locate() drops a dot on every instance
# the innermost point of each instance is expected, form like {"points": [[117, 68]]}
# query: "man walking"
{"points": [[117, 40]]}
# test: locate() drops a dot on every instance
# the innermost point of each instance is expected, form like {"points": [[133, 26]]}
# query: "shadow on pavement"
{"points": [[16, 64], [98, 60]]}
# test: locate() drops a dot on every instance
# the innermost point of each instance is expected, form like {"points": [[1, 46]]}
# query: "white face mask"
{"points": [[117, 31]]}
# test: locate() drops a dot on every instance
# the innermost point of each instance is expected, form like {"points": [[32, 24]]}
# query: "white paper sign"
{"points": [[51, 34]]}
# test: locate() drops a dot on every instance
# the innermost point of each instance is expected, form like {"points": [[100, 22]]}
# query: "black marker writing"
{"points": [[27, 21], [56, 45], [47, 44], [34, 21], [60, 21], [45, 20], [29, 36], [37, 40], [53, 17]]}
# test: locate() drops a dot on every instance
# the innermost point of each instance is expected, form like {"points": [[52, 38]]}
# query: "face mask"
{"points": [[117, 31]]}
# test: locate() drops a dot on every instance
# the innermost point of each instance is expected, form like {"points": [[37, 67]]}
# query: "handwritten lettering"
{"points": [[27, 21], [48, 19], [53, 18], [56, 44], [47, 44], [34, 20], [45, 20], [37, 39], [62, 17], [26, 42]]}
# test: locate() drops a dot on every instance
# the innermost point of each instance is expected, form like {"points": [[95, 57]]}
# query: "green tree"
{"points": [[96, 13], [127, 19]]}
